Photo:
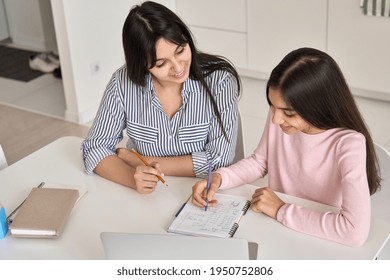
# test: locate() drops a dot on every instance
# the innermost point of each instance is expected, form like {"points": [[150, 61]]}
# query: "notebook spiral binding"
{"points": [[233, 230], [246, 207]]}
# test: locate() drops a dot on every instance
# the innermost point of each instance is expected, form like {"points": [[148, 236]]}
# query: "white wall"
{"points": [[4, 33], [89, 37], [257, 34], [31, 24], [361, 45], [219, 27], [254, 34], [277, 27]]}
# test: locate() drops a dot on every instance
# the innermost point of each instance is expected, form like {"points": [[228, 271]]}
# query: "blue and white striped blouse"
{"points": [[194, 129]]}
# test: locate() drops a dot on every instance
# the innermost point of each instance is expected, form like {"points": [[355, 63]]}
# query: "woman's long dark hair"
{"points": [[150, 21], [312, 83]]}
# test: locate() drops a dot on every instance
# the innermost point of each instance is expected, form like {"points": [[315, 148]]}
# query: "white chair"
{"points": [[3, 160], [240, 154], [380, 206]]}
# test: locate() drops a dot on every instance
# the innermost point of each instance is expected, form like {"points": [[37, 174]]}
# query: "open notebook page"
{"points": [[219, 221]]}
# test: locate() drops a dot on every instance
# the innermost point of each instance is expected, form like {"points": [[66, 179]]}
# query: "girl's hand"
{"points": [[266, 201], [199, 191], [145, 177]]}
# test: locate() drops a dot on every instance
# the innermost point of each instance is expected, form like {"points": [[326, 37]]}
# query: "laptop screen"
{"points": [[138, 246]]}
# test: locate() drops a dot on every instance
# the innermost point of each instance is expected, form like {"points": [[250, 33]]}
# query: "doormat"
{"points": [[14, 64]]}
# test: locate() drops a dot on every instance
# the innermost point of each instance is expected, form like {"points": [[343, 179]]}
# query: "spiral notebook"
{"points": [[219, 221]]}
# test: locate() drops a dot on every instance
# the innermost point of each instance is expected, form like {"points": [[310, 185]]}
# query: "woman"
{"points": [[316, 146], [178, 106]]}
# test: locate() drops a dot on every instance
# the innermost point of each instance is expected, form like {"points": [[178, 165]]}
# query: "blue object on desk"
{"points": [[208, 186], [3, 223]]}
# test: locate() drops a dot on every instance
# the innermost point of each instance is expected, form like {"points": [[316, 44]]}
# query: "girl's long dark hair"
{"points": [[150, 21], [312, 83]]}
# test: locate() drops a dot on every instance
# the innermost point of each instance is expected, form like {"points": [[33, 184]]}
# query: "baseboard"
{"points": [[253, 74], [82, 118], [372, 94]]}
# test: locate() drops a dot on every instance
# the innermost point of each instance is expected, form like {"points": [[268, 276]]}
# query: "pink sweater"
{"points": [[329, 167]]}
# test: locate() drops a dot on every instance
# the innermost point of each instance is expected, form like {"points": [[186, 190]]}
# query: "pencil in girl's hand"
{"points": [[147, 164]]}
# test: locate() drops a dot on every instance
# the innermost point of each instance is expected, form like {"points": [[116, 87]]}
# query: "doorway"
{"points": [[4, 30], [29, 26]]}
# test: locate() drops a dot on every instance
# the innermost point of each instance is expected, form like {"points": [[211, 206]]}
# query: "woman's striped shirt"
{"points": [[193, 130]]}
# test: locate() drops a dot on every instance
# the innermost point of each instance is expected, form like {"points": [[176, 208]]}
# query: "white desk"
{"points": [[110, 207]]}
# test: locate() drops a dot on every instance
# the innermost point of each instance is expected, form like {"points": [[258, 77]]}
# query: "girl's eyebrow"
{"points": [[283, 108], [179, 46]]}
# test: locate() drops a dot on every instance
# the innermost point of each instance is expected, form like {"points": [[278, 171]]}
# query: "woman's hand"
{"points": [[145, 177], [199, 191], [266, 201]]}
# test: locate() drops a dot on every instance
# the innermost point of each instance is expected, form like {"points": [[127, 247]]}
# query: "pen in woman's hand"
{"points": [[147, 164]]}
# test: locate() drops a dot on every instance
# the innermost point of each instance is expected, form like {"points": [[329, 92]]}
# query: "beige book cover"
{"points": [[44, 213]]}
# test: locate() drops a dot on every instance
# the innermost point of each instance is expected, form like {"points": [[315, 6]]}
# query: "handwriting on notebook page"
{"points": [[221, 220]]}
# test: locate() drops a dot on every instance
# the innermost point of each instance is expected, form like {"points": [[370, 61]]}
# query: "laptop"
{"points": [[139, 246]]}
